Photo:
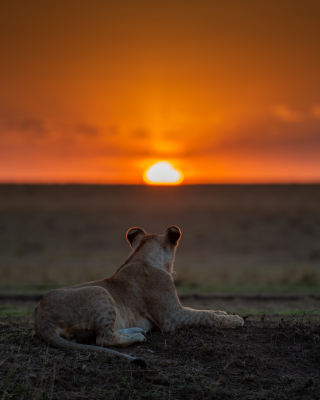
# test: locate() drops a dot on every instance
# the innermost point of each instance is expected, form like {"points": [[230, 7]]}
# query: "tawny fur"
{"points": [[119, 310]]}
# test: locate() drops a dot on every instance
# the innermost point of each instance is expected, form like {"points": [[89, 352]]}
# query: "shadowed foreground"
{"points": [[261, 360]]}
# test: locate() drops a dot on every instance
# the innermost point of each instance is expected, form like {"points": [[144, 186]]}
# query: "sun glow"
{"points": [[163, 173]]}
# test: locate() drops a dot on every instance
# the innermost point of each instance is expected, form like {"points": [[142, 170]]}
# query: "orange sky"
{"points": [[97, 91]]}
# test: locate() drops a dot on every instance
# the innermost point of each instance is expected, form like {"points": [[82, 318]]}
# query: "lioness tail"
{"points": [[51, 337]]}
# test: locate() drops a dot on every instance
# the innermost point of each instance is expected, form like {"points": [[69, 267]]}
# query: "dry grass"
{"points": [[235, 235], [273, 305]]}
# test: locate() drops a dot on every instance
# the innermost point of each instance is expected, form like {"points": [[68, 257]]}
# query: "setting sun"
{"points": [[163, 173]]}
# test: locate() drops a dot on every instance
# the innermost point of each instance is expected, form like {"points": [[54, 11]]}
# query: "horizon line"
{"points": [[294, 183]]}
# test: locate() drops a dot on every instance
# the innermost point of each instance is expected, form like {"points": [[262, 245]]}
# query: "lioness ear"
{"points": [[134, 235], [173, 234]]}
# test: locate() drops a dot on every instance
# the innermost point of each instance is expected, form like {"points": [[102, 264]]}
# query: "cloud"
{"points": [[265, 137], [88, 130], [93, 130], [284, 113], [29, 126], [316, 111], [141, 134]]}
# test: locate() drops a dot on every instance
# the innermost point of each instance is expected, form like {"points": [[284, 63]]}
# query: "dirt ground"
{"points": [[271, 357], [262, 360]]}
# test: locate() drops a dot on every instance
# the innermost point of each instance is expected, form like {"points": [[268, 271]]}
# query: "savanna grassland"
{"points": [[250, 250], [241, 236]]}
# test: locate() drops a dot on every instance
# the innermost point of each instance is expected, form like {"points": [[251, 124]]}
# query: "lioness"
{"points": [[119, 310]]}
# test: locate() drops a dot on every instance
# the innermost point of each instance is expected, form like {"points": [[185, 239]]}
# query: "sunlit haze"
{"points": [[97, 92]]}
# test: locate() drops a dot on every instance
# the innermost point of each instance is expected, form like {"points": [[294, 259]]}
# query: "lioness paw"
{"points": [[235, 320], [138, 330], [230, 321], [129, 331], [139, 337], [218, 312]]}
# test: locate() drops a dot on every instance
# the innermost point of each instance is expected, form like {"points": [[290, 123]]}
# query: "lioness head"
{"points": [[157, 250]]}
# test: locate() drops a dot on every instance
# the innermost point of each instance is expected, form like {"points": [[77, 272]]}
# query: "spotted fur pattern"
{"points": [[119, 310]]}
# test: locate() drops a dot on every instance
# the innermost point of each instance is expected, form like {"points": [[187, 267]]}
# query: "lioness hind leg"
{"points": [[117, 339]]}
